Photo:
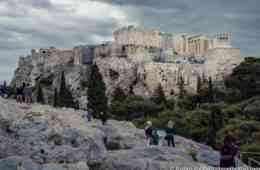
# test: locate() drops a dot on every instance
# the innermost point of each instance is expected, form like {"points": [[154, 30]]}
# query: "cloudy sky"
{"points": [[27, 24]]}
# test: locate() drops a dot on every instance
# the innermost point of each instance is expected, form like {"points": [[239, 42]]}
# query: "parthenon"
{"points": [[198, 44], [183, 43]]}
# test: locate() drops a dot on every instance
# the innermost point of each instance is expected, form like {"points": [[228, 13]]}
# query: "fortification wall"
{"points": [[168, 75], [138, 36], [221, 61]]}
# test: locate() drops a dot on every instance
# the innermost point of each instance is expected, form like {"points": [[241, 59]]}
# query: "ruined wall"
{"points": [[138, 36], [168, 75], [220, 62]]}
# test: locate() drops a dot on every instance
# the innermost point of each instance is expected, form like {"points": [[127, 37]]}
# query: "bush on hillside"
{"points": [[243, 130], [159, 96], [188, 102], [245, 78], [232, 111], [170, 104], [198, 124], [134, 107]]}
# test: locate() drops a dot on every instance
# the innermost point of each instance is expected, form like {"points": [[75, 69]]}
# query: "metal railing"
{"points": [[251, 161]]}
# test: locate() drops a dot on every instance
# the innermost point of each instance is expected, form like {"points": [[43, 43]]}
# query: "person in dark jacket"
{"points": [[228, 152], [155, 138], [170, 134], [103, 117], [27, 92], [149, 132], [19, 94]]}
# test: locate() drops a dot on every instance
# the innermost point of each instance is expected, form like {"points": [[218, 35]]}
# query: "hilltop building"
{"points": [[198, 44], [138, 60]]}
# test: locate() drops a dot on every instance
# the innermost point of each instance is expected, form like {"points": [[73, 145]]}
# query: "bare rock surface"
{"points": [[40, 137]]}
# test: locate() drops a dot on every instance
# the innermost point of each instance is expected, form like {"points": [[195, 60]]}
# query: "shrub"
{"points": [[232, 110], [134, 107], [170, 104], [198, 124], [243, 130]]}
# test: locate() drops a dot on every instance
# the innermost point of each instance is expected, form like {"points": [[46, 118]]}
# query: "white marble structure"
{"points": [[198, 44]]}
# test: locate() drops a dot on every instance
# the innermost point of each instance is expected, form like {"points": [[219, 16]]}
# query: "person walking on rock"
{"points": [[27, 91], [155, 138], [3, 90], [170, 134], [19, 94], [103, 117], [87, 115], [228, 152], [149, 132], [90, 115]]}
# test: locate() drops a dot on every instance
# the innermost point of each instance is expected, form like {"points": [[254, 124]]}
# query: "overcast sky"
{"points": [[27, 24]]}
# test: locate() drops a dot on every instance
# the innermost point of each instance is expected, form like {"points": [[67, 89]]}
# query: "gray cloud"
{"points": [[26, 24]]}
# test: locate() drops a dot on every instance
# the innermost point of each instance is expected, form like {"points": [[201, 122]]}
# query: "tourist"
{"points": [[27, 91], [170, 133], [155, 138], [149, 132], [103, 117], [3, 90], [228, 152], [19, 94], [89, 115]]}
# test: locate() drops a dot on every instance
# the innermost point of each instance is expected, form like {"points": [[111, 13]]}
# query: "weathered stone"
{"points": [[62, 139], [152, 158], [47, 135]]}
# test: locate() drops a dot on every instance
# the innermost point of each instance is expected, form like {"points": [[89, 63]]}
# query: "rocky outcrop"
{"points": [[152, 158], [48, 135], [135, 69], [38, 137], [21, 163]]}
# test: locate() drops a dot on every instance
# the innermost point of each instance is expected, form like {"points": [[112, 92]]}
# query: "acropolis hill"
{"points": [[138, 59]]}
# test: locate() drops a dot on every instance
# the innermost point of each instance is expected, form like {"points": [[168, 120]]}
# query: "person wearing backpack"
{"points": [[149, 132]]}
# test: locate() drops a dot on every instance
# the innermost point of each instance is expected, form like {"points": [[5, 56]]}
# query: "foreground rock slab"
{"points": [[40, 137], [152, 158]]}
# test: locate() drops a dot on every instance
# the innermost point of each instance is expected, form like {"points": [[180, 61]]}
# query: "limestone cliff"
{"points": [[132, 68]]}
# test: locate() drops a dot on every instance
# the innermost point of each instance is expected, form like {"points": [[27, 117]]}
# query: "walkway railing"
{"points": [[251, 158]]}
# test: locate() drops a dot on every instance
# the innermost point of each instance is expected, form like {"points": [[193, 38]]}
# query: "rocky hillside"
{"points": [[39, 137]]}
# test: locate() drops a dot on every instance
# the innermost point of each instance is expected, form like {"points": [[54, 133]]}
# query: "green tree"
{"points": [[215, 123], [39, 98], [210, 91], [181, 86], [118, 95], [245, 78], [199, 85], [159, 96], [55, 98], [117, 107], [65, 98], [199, 94], [97, 99]]}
